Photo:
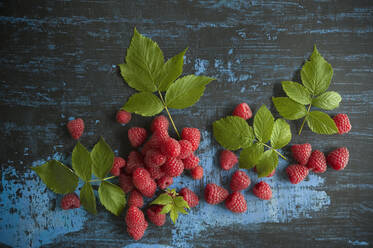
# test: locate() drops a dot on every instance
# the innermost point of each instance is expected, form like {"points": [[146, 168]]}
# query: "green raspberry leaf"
{"points": [[250, 156], [144, 103], [81, 162], [297, 92], [267, 163], [328, 100], [88, 199], [174, 215], [181, 210], [288, 108], [57, 177], [316, 73], [102, 157], [162, 199], [281, 134], [233, 133], [321, 123], [263, 124], [112, 197], [166, 209], [180, 202], [186, 91]]}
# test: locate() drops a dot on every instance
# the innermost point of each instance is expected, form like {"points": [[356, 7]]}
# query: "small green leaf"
{"points": [[173, 215], [267, 163], [328, 100], [144, 103], [162, 199], [321, 123], [281, 134], [263, 124], [316, 73], [112, 197], [57, 177], [250, 156], [88, 199], [186, 91], [102, 157], [288, 108], [166, 209], [233, 133], [81, 162], [180, 202], [181, 210], [297, 92]]}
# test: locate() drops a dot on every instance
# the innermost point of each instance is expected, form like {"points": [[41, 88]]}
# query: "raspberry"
{"points": [[227, 159], [192, 135], [123, 117], [317, 162], [154, 158], [136, 223], [189, 196], [118, 163], [197, 172], [296, 173], [164, 182], [134, 161], [137, 232], [155, 141], [243, 110], [262, 190], [70, 201], [125, 182], [137, 136], [236, 202], [149, 191], [76, 128], [215, 194], [170, 147], [343, 123], [240, 181], [190, 162], [338, 159], [173, 167], [159, 123], [155, 216], [301, 153], [185, 149], [270, 175], [135, 199], [155, 172], [143, 182]]}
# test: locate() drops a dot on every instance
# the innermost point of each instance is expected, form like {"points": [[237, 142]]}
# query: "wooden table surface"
{"points": [[58, 60]]}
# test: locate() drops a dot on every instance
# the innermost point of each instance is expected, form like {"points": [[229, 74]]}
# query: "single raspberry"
{"points": [[197, 172], [155, 172], [240, 181], [123, 117], [270, 175], [227, 159], [192, 135], [164, 182], [135, 199], [317, 162], [301, 153], [215, 194], [190, 162], [173, 167], [136, 223], [185, 149], [149, 191], [135, 160], [159, 123], [154, 158], [137, 232], [143, 182], [296, 173], [262, 190], [125, 182], [155, 141], [236, 202], [338, 159], [170, 147], [155, 216], [137, 136], [76, 128], [343, 123], [243, 110], [70, 201], [119, 163], [189, 196]]}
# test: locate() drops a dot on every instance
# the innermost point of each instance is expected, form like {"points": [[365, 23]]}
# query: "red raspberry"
{"points": [[135, 199], [136, 223], [243, 110], [192, 135], [164, 182], [155, 140], [227, 159], [317, 162], [137, 232], [270, 175], [149, 191], [189, 196], [159, 123], [262, 190], [240, 181], [76, 128], [143, 182], [123, 117], [119, 163], [173, 167], [296, 173], [170, 147], [154, 158], [190, 162], [197, 172], [301, 153], [155, 216], [125, 182], [155, 172], [215, 194], [137, 136], [236, 202], [70, 201], [185, 149], [338, 159], [343, 123], [134, 161]]}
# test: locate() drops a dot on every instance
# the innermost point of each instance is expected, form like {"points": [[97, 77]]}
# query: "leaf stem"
{"points": [[99, 180], [270, 147], [169, 115], [304, 120]]}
